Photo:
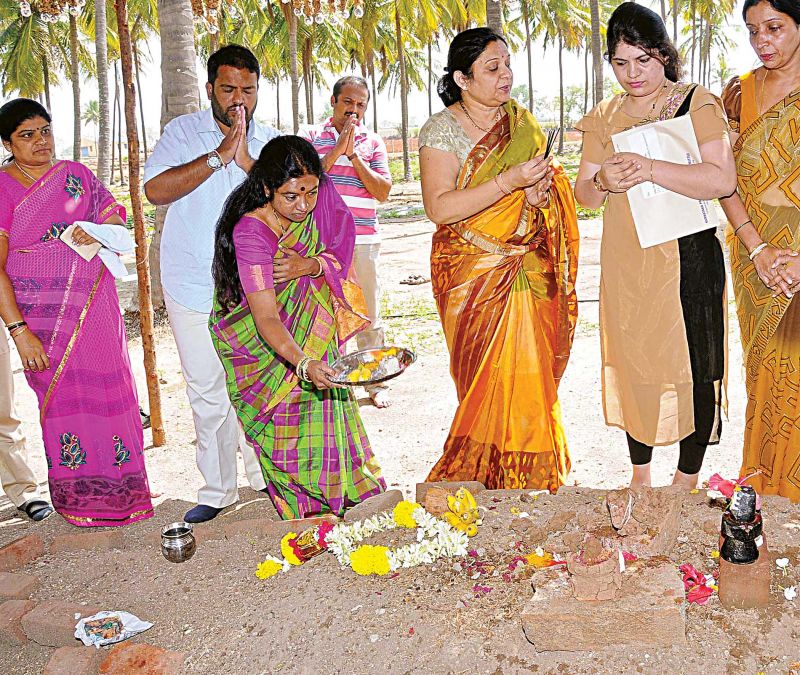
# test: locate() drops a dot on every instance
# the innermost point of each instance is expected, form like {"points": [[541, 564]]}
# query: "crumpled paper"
{"points": [[108, 628]]}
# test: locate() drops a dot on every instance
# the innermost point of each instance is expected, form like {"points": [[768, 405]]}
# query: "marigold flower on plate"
{"points": [[402, 514], [368, 559], [288, 550]]}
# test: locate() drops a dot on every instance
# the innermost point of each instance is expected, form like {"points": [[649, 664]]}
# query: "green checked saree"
{"points": [[311, 443]]}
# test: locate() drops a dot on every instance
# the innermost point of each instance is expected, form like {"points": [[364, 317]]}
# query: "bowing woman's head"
{"points": [[25, 132], [285, 178], [774, 29], [478, 67], [642, 56]]}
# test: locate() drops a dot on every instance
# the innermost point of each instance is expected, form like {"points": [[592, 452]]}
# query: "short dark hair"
{"points": [[235, 56], [353, 80], [17, 111], [641, 27], [789, 7], [464, 50]]}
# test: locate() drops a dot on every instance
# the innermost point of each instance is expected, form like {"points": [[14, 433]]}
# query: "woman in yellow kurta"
{"points": [[764, 108], [503, 267], [662, 310]]}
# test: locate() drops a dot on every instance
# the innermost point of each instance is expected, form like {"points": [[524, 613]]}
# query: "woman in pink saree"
{"points": [[63, 313]]}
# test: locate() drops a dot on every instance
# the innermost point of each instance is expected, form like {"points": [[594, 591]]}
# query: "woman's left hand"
{"points": [[538, 195], [320, 373], [291, 266], [81, 238]]}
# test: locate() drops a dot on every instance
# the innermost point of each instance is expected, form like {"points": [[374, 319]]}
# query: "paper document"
{"points": [[659, 214], [85, 251]]}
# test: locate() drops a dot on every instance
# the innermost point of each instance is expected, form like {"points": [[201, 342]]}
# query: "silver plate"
{"points": [[391, 361]]}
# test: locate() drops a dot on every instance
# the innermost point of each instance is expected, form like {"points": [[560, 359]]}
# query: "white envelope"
{"points": [[85, 251], [661, 215]]}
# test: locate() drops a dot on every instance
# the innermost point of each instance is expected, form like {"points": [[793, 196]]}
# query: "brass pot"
{"points": [[177, 542]]}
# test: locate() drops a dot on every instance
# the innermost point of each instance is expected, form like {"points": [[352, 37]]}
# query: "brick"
{"points": [[87, 541], [472, 485], [21, 552], [73, 660], [15, 586], [52, 623], [141, 659], [11, 613], [385, 501], [647, 612], [264, 527], [745, 586]]}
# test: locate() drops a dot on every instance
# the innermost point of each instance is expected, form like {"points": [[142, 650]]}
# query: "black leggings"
{"points": [[693, 447]]}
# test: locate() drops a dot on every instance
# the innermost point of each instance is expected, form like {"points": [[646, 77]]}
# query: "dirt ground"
{"points": [[319, 618]]}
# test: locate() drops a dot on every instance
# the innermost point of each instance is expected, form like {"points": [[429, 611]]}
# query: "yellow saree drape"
{"points": [[768, 164], [504, 282]]}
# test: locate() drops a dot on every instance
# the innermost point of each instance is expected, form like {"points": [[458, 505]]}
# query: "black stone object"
{"points": [[741, 528]]}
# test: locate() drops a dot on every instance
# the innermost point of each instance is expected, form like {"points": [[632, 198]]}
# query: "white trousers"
{"points": [[366, 265], [215, 423], [16, 477]]}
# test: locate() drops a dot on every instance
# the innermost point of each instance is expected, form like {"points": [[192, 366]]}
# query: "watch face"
{"points": [[214, 162]]}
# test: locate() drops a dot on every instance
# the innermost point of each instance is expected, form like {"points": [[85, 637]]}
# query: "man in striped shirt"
{"points": [[357, 162]]}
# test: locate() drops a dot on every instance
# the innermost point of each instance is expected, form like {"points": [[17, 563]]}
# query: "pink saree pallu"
{"points": [[89, 409]]}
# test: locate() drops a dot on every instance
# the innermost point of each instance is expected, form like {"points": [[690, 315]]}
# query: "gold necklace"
{"points": [[466, 112], [649, 117], [25, 173]]}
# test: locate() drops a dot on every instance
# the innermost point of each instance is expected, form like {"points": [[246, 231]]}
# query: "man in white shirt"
{"points": [[198, 161]]}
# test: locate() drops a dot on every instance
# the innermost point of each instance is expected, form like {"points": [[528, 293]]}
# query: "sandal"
{"points": [[145, 418], [36, 509]]}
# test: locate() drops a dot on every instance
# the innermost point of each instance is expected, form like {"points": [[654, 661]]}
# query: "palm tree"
{"points": [[142, 269], [597, 56], [179, 96], [75, 77], [101, 53], [494, 15], [91, 114]]}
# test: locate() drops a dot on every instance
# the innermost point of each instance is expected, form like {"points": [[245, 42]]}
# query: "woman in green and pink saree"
{"points": [[64, 316], [284, 305]]}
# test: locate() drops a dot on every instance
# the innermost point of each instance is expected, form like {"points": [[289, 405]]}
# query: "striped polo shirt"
{"points": [[372, 151]]}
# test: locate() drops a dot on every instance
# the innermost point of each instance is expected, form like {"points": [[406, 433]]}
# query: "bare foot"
{"points": [[641, 476], [380, 398], [686, 480]]}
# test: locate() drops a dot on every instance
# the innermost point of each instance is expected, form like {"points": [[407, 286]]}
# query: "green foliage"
{"points": [[396, 167]]}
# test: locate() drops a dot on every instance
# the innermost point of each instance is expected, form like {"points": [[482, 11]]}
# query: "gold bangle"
{"points": [[597, 184], [739, 227], [321, 268], [19, 330], [501, 183]]}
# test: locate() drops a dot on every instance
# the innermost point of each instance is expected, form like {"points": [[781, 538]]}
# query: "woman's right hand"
{"points": [[529, 173], [320, 373], [31, 352], [614, 171]]}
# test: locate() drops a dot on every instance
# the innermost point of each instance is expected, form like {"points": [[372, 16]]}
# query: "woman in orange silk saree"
{"points": [[504, 284]]}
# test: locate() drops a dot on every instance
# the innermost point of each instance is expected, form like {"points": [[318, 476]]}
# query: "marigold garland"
{"points": [[403, 514], [269, 568], [367, 559], [288, 551]]}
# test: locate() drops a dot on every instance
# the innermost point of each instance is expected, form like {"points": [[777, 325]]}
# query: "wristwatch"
{"points": [[214, 161]]}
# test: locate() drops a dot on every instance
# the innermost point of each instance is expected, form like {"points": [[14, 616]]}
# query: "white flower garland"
{"points": [[435, 539]]}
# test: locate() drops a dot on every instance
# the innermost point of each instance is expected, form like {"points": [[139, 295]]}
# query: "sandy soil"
{"points": [[321, 619]]}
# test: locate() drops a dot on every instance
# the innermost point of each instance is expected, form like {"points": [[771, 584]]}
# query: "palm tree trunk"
{"points": [[675, 21], [585, 80], [118, 103], [76, 88], [664, 11], [111, 139], [430, 79], [278, 104], [694, 34], [141, 102], [307, 79], [46, 76], [526, 19], [597, 57], [101, 55], [291, 21], [179, 96], [374, 99], [494, 15], [401, 57], [142, 267], [561, 93]]}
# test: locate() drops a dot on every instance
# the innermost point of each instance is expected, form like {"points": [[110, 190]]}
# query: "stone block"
{"points": [[745, 586], [16, 586], [141, 659], [647, 612], [264, 527], [647, 519], [472, 485], [73, 661], [11, 613], [52, 623], [104, 540], [21, 552], [385, 501]]}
